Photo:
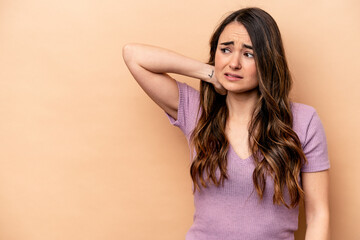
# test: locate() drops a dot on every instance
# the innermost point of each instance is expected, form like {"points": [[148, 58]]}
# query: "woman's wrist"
{"points": [[210, 77], [208, 73]]}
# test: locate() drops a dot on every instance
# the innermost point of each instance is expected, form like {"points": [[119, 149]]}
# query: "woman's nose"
{"points": [[235, 62]]}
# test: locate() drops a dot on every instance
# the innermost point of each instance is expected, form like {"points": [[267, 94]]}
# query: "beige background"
{"points": [[84, 154]]}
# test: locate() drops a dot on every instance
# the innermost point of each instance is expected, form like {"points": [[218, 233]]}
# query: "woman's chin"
{"points": [[243, 91]]}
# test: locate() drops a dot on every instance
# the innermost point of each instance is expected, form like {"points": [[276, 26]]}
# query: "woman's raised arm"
{"points": [[149, 65]]}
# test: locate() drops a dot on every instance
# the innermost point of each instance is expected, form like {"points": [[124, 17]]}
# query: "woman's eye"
{"points": [[225, 50], [250, 55]]}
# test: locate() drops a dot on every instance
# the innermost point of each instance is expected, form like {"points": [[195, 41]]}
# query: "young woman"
{"points": [[256, 154]]}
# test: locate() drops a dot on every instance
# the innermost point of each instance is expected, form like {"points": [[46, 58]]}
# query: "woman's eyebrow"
{"points": [[227, 43], [232, 43], [247, 46]]}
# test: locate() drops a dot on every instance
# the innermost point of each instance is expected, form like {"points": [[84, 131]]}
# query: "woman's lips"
{"points": [[232, 77]]}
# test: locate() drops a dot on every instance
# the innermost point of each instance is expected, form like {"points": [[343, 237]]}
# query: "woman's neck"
{"points": [[241, 106]]}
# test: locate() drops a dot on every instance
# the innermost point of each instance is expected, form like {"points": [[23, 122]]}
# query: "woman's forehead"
{"points": [[235, 32]]}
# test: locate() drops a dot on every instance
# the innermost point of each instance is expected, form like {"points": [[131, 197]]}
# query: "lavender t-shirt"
{"points": [[234, 211]]}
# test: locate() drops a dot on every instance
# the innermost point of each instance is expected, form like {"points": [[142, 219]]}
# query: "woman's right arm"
{"points": [[149, 65]]}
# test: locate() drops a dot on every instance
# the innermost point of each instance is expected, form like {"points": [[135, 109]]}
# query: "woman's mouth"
{"points": [[232, 77]]}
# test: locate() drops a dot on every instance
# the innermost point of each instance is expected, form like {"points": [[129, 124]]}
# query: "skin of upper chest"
{"points": [[237, 135]]}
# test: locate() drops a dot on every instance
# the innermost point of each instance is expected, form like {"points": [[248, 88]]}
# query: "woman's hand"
{"points": [[219, 88], [217, 85]]}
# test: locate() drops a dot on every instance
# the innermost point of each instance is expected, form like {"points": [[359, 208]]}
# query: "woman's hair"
{"points": [[275, 147]]}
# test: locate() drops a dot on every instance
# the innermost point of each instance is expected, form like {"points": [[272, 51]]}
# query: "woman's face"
{"points": [[235, 65]]}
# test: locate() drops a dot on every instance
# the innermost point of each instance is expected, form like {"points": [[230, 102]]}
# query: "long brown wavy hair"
{"points": [[275, 147]]}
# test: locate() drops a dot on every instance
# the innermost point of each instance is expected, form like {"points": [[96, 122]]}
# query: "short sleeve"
{"points": [[187, 108], [315, 146]]}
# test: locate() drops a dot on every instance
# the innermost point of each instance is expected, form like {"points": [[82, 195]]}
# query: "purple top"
{"points": [[234, 211]]}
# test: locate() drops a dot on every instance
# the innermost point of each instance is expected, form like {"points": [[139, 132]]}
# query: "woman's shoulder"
{"points": [[187, 89], [311, 133], [189, 99], [302, 113], [302, 110], [305, 118], [188, 96]]}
